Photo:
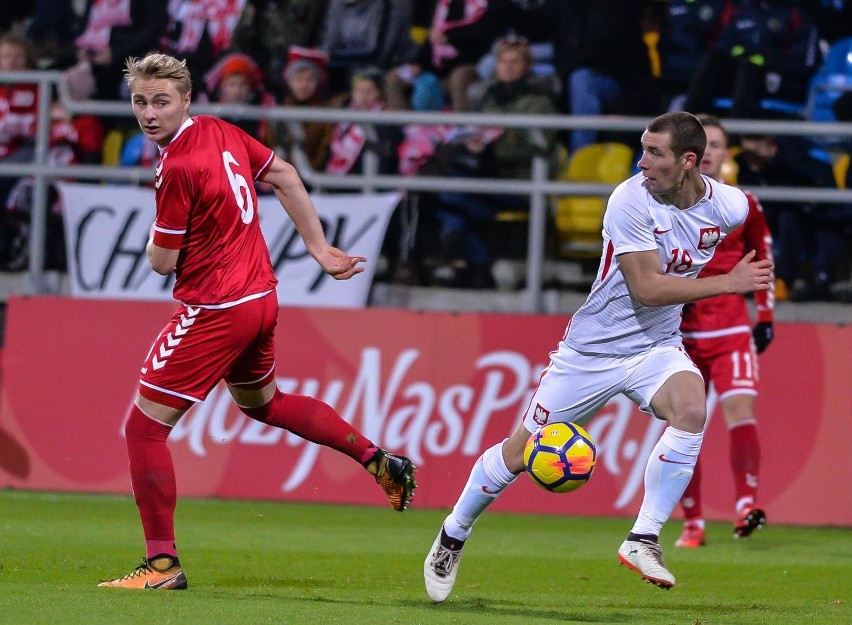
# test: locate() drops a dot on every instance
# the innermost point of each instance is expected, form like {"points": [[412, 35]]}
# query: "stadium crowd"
{"points": [[732, 58]]}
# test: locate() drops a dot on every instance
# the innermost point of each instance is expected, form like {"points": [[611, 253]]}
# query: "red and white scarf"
{"points": [[219, 16], [103, 15], [347, 143]]}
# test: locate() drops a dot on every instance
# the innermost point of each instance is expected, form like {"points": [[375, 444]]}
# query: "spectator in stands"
{"points": [[603, 59], [524, 20], [80, 136], [52, 29], [688, 29], [348, 141], [201, 31], [461, 32], [73, 139], [237, 79], [267, 29], [765, 49], [465, 259], [305, 77], [421, 140], [18, 115], [365, 33], [114, 31], [413, 230], [18, 102], [808, 237]]}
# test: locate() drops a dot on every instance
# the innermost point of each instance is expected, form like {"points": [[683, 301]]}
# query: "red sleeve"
{"points": [[756, 236], [174, 193]]}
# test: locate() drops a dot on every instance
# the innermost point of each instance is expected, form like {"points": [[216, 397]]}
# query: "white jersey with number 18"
{"points": [[611, 321]]}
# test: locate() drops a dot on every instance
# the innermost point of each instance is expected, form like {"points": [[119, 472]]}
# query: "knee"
{"points": [[690, 417]]}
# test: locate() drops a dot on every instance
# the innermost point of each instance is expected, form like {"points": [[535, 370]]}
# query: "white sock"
{"points": [[665, 480], [742, 503], [488, 478]]}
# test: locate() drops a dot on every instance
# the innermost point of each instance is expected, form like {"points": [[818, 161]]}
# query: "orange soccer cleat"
{"points": [[395, 474], [691, 537], [159, 573]]}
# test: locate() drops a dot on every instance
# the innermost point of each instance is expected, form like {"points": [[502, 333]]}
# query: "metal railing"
{"points": [[539, 188]]}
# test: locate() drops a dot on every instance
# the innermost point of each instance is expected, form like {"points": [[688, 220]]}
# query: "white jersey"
{"points": [[611, 321]]}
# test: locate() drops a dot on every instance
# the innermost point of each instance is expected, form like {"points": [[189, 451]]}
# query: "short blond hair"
{"points": [[158, 65]]}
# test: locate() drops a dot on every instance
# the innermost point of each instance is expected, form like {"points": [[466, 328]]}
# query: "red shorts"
{"points": [[730, 362], [201, 346]]}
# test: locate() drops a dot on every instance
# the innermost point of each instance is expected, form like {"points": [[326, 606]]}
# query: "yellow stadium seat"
{"points": [[841, 168], [730, 168], [578, 220], [113, 143]]}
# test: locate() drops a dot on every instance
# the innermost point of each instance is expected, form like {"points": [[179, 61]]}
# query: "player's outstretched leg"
{"points": [[442, 566], [395, 474], [489, 477], [159, 573], [646, 558], [319, 423], [749, 519]]}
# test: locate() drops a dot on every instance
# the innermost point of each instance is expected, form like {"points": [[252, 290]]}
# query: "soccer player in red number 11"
{"points": [[718, 336], [206, 230]]}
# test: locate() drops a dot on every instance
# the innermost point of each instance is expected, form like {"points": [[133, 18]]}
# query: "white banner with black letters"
{"points": [[106, 230]]}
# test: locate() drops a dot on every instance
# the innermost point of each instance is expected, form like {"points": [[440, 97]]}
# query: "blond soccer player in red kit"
{"points": [[206, 230]]}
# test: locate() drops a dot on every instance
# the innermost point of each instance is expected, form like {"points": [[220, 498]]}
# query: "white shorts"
{"points": [[575, 386]]}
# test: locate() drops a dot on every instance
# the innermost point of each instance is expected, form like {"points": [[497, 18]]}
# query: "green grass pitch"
{"points": [[267, 562]]}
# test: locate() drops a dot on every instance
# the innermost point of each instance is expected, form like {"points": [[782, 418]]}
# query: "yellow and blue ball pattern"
{"points": [[560, 457]]}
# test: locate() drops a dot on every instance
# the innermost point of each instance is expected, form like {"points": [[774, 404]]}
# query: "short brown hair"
{"points": [[711, 121], [157, 65], [686, 132]]}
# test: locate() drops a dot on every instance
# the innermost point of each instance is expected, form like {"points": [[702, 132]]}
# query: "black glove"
{"points": [[762, 334]]}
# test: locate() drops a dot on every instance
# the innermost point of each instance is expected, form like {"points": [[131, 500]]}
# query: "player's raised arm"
{"points": [[291, 192]]}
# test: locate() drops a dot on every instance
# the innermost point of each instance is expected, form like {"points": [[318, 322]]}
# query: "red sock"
{"points": [[153, 477], [745, 460], [691, 498], [314, 421]]}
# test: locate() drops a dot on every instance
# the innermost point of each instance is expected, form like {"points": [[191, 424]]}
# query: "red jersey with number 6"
{"points": [[723, 314], [207, 209]]}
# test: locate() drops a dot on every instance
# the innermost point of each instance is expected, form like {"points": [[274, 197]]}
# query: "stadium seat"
{"points": [[730, 168], [578, 220], [841, 169], [113, 143], [832, 80]]}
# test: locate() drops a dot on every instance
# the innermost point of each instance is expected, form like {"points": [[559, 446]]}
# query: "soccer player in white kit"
{"points": [[660, 228]]}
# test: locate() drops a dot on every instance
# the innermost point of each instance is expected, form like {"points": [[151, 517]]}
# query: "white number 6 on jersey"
{"points": [[240, 187]]}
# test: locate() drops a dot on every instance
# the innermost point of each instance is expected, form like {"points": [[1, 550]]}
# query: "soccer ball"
{"points": [[560, 457]]}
